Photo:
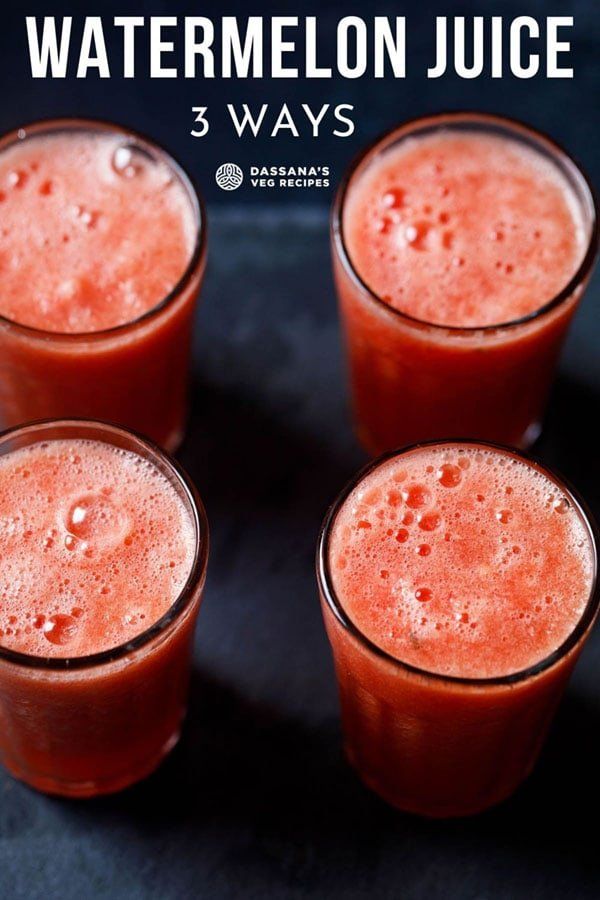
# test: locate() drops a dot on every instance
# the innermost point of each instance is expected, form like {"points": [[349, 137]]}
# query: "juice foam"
{"points": [[463, 229], [461, 561], [94, 232], [95, 546]]}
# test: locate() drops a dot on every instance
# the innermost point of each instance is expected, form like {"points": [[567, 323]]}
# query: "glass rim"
{"points": [[67, 123], [197, 569], [325, 579], [519, 128]]}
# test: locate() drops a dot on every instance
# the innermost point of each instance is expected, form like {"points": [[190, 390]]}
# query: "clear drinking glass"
{"points": [[95, 724], [429, 743], [135, 374], [412, 380]]}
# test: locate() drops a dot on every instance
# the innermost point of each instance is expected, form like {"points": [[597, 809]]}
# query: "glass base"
{"points": [[93, 788], [412, 806]]}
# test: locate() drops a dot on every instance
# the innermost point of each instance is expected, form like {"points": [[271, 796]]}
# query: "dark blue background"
{"points": [[257, 800]]}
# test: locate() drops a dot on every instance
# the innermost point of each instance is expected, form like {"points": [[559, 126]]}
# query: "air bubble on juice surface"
{"points": [[496, 234], [415, 235], [95, 519], [429, 521], [458, 262], [449, 475], [504, 516], [72, 543], [124, 161], [424, 549], [46, 188], [372, 496], [402, 535], [393, 198], [561, 505], [423, 595], [17, 178], [87, 218], [385, 225], [416, 496], [60, 629]]}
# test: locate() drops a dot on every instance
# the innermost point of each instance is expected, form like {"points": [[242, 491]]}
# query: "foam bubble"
{"points": [[499, 208], [484, 569], [89, 534], [76, 201], [97, 519], [60, 629]]}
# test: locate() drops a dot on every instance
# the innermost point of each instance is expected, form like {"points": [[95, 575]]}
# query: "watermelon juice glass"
{"points": [[461, 246], [458, 586], [102, 254], [104, 551]]}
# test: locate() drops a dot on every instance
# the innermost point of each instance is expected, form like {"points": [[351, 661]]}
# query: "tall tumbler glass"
{"points": [[135, 373], [412, 379]]}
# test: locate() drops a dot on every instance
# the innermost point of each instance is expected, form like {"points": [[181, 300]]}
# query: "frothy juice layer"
{"points": [[462, 561], [93, 232], [463, 229], [95, 546]]}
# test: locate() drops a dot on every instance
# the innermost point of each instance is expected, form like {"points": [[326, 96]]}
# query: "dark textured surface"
{"points": [[257, 802]]}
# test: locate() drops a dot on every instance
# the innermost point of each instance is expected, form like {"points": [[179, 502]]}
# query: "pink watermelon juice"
{"points": [[461, 245], [101, 258], [458, 586], [102, 556]]}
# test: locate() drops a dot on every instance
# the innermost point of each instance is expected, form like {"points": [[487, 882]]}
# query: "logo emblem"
{"points": [[229, 176]]}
